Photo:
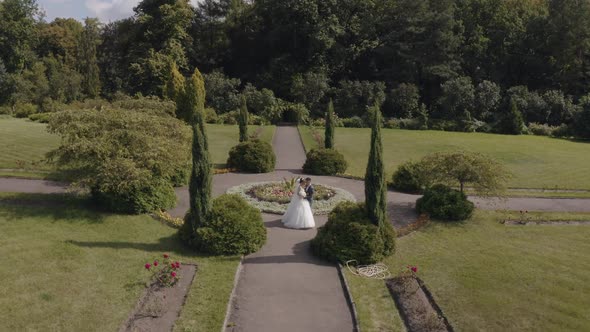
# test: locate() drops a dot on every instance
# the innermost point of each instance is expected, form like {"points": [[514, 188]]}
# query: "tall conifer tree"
{"points": [[375, 186], [200, 180], [330, 127], [243, 120]]}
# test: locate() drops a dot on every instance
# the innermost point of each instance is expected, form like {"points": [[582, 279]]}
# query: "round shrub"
{"points": [[233, 228], [143, 197], [444, 203], [408, 178], [252, 156], [350, 235], [324, 162]]}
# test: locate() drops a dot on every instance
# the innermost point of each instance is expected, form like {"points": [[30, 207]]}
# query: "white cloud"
{"points": [[111, 10]]}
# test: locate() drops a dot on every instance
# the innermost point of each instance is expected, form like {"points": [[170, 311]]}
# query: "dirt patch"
{"points": [[545, 222], [416, 305], [416, 225], [159, 307]]}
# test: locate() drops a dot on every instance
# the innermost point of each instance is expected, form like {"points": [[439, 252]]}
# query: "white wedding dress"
{"points": [[298, 213]]}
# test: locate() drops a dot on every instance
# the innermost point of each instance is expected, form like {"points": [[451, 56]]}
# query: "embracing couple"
{"points": [[299, 213]]}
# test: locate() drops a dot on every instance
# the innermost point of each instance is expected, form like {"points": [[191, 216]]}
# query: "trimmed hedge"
{"points": [[253, 156], [324, 162], [408, 178], [350, 235], [444, 203], [232, 228], [158, 194]]}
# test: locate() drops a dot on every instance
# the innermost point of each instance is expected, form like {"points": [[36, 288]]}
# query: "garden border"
{"points": [[349, 299], [429, 297], [125, 326], [545, 222], [232, 295]]}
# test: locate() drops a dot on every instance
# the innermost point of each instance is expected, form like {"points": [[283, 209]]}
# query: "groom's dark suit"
{"points": [[309, 194]]}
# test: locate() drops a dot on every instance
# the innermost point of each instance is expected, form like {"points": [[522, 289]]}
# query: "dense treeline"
{"points": [[471, 65]]}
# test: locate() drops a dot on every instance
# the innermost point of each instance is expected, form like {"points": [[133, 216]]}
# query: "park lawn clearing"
{"points": [[535, 161], [25, 143], [490, 277], [70, 268]]}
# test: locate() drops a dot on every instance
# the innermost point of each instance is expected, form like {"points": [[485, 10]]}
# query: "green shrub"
{"points": [[350, 235], [151, 105], [142, 197], [354, 122], [444, 125], [563, 131], [23, 110], [229, 118], [5, 110], [541, 129], [324, 162], [210, 115], [409, 178], [444, 203], [232, 228], [49, 105], [40, 117], [253, 156]]}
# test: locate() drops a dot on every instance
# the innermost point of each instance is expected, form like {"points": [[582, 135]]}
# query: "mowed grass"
{"points": [[23, 145], [536, 162], [490, 277], [69, 268]]}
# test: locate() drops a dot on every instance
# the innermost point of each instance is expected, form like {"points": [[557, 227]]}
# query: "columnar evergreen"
{"points": [[329, 139], [375, 186], [243, 120], [200, 180], [88, 64], [175, 82]]}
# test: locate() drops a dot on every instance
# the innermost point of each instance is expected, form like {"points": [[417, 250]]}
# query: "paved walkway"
{"points": [[283, 287]]}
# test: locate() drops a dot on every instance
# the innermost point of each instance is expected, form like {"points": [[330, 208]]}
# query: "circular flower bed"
{"points": [[273, 197]]}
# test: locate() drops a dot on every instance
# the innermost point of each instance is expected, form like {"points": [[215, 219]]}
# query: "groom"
{"points": [[309, 191]]}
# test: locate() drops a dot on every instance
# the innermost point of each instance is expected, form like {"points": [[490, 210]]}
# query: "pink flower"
{"points": [[155, 263], [147, 266], [166, 256], [173, 274], [414, 269], [177, 265]]}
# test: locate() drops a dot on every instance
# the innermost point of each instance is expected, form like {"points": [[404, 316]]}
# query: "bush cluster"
{"points": [[142, 197], [324, 162], [353, 122], [444, 203], [253, 156], [350, 235], [232, 228], [409, 178]]}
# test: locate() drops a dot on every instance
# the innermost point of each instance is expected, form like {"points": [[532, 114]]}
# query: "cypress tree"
{"points": [[175, 82], [375, 186], [243, 120], [515, 122], [88, 64], [200, 180], [329, 134]]}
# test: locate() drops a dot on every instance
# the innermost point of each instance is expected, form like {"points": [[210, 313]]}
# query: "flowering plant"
{"points": [[166, 273]]}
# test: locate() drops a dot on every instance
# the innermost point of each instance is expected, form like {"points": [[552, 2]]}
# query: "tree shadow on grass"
{"points": [[58, 207], [170, 244]]}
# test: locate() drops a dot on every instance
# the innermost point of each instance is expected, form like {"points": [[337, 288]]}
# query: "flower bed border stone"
{"points": [[319, 207], [167, 304]]}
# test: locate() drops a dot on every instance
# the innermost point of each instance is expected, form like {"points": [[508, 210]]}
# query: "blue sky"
{"points": [[105, 10]]}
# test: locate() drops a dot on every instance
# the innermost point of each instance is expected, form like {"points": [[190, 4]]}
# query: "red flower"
{"points": [[155, 263], [166, 256], [173, 274], [177, 265], [172, 265], [147, 266], [414, 269]]}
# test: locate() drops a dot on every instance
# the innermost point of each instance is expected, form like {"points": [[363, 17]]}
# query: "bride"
{"points": [[299, 213]]}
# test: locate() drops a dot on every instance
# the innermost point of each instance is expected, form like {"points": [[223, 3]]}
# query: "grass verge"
{"points": [[487, 276], [76, 269]]}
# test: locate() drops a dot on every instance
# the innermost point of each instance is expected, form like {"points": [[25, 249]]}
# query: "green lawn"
{"points": [[73, 269], [537, 162], [25, 143], [489, 277]]}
